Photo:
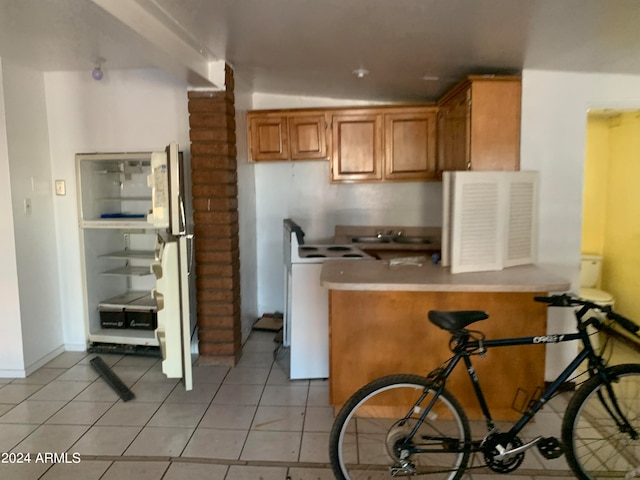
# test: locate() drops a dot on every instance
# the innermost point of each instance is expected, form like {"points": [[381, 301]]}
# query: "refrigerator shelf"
{"points": [[113, 223], [143, 304], [127, 163], [127, 199], [124, 299], [129, 271], [131, 254], [124, 336]]}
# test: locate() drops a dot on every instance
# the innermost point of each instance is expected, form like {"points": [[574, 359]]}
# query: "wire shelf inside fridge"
{"points": [[131, 254], [129, 271]]}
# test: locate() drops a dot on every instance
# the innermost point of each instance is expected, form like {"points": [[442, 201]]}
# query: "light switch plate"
{"points": [[61, 188]]}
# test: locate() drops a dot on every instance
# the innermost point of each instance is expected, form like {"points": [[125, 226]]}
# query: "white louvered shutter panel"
{"points": [[522, 221], [492, 219], [476, 238]]}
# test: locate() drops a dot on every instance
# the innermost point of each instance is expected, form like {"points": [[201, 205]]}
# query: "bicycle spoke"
{"points": [[600, 441], [372, 438]]}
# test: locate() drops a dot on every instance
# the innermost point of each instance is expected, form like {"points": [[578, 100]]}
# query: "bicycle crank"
{"points": [[504, 453], [507, 453]]}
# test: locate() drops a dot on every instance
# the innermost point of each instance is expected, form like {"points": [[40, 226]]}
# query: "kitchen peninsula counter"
{"points": [[378, 326], [427, 277]]}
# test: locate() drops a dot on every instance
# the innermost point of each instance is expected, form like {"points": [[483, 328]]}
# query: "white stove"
{"points": [[306, 312]]}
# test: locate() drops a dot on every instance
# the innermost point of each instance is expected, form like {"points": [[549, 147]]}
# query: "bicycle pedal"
{"points": [[550, 448]]}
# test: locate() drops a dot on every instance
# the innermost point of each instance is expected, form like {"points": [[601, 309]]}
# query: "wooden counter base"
{"points": [[376, 333]]}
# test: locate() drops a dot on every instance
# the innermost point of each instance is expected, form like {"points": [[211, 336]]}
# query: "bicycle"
{"points": [[408, 425]]}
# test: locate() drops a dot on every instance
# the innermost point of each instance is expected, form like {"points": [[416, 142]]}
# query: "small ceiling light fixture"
{"points": [[97, 73], [361, 72], [430, 78]]}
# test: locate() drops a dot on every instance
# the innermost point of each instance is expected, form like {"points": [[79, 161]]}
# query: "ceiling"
{"points": [[413, 49]]}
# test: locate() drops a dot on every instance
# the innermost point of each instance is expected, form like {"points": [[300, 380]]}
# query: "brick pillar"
{"points": [[215, 204]]}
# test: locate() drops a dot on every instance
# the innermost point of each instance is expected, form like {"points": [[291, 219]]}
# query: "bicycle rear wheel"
{"points": [[595, 444], [368, 438]]}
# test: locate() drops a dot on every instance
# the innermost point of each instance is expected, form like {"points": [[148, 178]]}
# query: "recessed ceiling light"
{"points": [[430, 78], [361, 72]]}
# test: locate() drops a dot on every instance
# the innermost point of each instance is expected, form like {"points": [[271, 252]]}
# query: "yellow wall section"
{"points": [[611, 217], [595, 186], [621, 268]]}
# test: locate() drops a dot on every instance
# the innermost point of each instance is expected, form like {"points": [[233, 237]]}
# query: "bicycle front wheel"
{"points": [[601, 427], [378, 433]]}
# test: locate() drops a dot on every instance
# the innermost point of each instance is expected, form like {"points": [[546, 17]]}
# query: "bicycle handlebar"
{"points": [[565, 300]]}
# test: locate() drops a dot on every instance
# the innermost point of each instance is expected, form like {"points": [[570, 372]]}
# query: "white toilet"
{"points": [[590, 269]]}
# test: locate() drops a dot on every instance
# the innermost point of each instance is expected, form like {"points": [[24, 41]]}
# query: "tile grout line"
{"points": [[287, 464], [205, 410], [116, 402], [255, 413]]}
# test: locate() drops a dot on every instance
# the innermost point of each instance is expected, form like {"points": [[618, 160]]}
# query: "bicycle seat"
{"points": [[454, 321]]}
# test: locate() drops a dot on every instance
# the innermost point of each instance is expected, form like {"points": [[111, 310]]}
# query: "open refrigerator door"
{"points": [[172, 264]]}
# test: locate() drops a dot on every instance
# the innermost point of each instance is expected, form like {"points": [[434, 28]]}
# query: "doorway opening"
{"points": [[611, 204]]}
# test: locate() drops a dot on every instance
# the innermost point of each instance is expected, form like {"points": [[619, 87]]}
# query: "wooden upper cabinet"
{"points": [[286, 135], [308, 137], [269, 138], [357, 146], [479, 125], [384, 144], [454, 130], [410, 145]]}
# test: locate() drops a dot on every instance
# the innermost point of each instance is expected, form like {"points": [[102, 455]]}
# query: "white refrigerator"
{"points": [[137, 254]]}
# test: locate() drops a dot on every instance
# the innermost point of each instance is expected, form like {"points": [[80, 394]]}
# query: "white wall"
{"points": [[554, 122], [302, 191], [133, 110], [246, 211], [11, 352], [30, 170]]}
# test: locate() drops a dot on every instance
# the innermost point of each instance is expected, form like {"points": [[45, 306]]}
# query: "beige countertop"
{"points": [[427, 277]]}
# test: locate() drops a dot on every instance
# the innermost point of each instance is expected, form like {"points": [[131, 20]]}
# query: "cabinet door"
{"points": [[410, 145], [269, 138], [495, 124], [308, 137], [357, 147], [454, 133]]}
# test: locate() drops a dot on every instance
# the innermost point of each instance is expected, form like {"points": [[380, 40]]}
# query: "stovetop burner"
{"points": [[339, 248], [329, 251], [299, 251]]}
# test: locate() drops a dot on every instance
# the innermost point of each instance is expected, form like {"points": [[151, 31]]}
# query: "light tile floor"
{"points": [[247, 422]]}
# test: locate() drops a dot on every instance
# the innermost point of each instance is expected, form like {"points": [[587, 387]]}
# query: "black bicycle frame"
{"points": [[482, 345]]}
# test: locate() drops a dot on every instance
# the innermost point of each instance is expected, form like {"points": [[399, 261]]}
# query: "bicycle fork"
{"points": [[618, 417]]}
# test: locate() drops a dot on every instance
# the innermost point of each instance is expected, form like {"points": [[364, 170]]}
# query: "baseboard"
{"points": [[44, 360], [13, 373], [75, 347]]}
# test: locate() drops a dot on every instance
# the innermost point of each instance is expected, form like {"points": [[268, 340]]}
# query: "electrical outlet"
{"points": [[61, 188]]}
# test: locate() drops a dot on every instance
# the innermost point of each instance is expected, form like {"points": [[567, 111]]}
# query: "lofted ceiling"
{"points": [[412, 49]]}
